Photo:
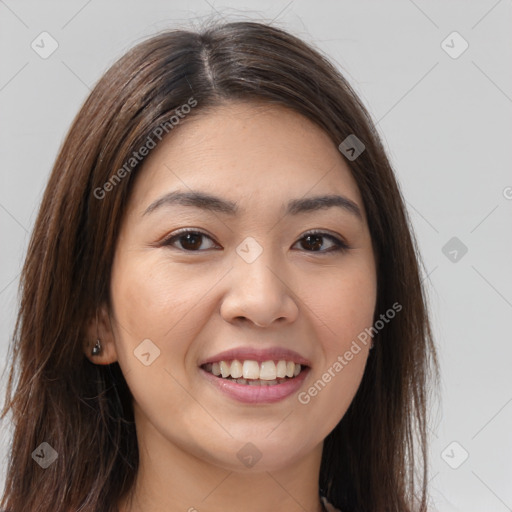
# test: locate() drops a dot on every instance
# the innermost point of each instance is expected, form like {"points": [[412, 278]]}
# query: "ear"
{"points": [[100, 327]]}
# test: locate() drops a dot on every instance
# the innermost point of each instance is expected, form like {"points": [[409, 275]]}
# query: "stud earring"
{"points": [[97, 348]]}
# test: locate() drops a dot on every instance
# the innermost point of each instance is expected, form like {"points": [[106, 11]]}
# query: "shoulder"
{"points": [[328, 506]]}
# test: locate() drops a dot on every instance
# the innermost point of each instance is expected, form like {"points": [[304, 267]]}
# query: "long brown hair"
{"points": [[375, 459]]}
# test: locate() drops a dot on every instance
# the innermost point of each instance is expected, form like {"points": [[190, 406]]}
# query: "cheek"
{"points": [[351, 308], [343, 311], [156, 300], [344, 303], [150, 298]]}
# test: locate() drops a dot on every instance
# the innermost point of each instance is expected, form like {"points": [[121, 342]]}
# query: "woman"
{"points": [[221, 301]]}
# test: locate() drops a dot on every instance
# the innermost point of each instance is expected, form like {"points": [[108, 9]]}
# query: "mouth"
{"points": [[253, 373]]}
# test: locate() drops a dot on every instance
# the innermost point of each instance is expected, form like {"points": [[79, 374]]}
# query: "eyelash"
{"points": [[339, 245]]}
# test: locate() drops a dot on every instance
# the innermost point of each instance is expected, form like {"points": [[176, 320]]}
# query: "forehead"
{"points": [[243, 151]]}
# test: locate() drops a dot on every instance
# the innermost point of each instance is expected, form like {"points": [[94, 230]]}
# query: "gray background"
{"points": [[447, 125]]}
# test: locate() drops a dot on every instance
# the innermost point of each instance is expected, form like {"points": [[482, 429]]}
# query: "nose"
{"points": [[258, 293]]}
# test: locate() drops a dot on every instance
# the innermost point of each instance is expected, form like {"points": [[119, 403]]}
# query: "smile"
{"points": [[255, 383], [250, 372]]}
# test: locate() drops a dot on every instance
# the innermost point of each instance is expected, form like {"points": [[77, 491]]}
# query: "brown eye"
{"points": [[189, 240], [313, 242]]}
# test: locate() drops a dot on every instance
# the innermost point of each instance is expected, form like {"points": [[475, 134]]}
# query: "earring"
{"points": [[371, 346], [97, 348]]}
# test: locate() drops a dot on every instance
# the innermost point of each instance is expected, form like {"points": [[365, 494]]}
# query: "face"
{"points": [[260, 274]]}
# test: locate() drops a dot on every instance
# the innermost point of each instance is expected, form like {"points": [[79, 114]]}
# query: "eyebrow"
{"points": [[213, 203]]}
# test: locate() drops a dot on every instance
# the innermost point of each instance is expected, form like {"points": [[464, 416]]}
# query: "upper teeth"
{"points": [[249, 369]]}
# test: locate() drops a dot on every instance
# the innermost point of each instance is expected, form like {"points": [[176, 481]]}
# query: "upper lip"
{"points": [[257, 354]]}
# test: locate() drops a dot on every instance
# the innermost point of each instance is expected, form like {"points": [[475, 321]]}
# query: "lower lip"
{"points": [[257, 394]]}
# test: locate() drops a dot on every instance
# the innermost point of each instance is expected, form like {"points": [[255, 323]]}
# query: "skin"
{"points": [[194, 304]]}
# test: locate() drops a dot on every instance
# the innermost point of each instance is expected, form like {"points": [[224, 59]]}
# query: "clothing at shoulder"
{"points": [[328, 506]]}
